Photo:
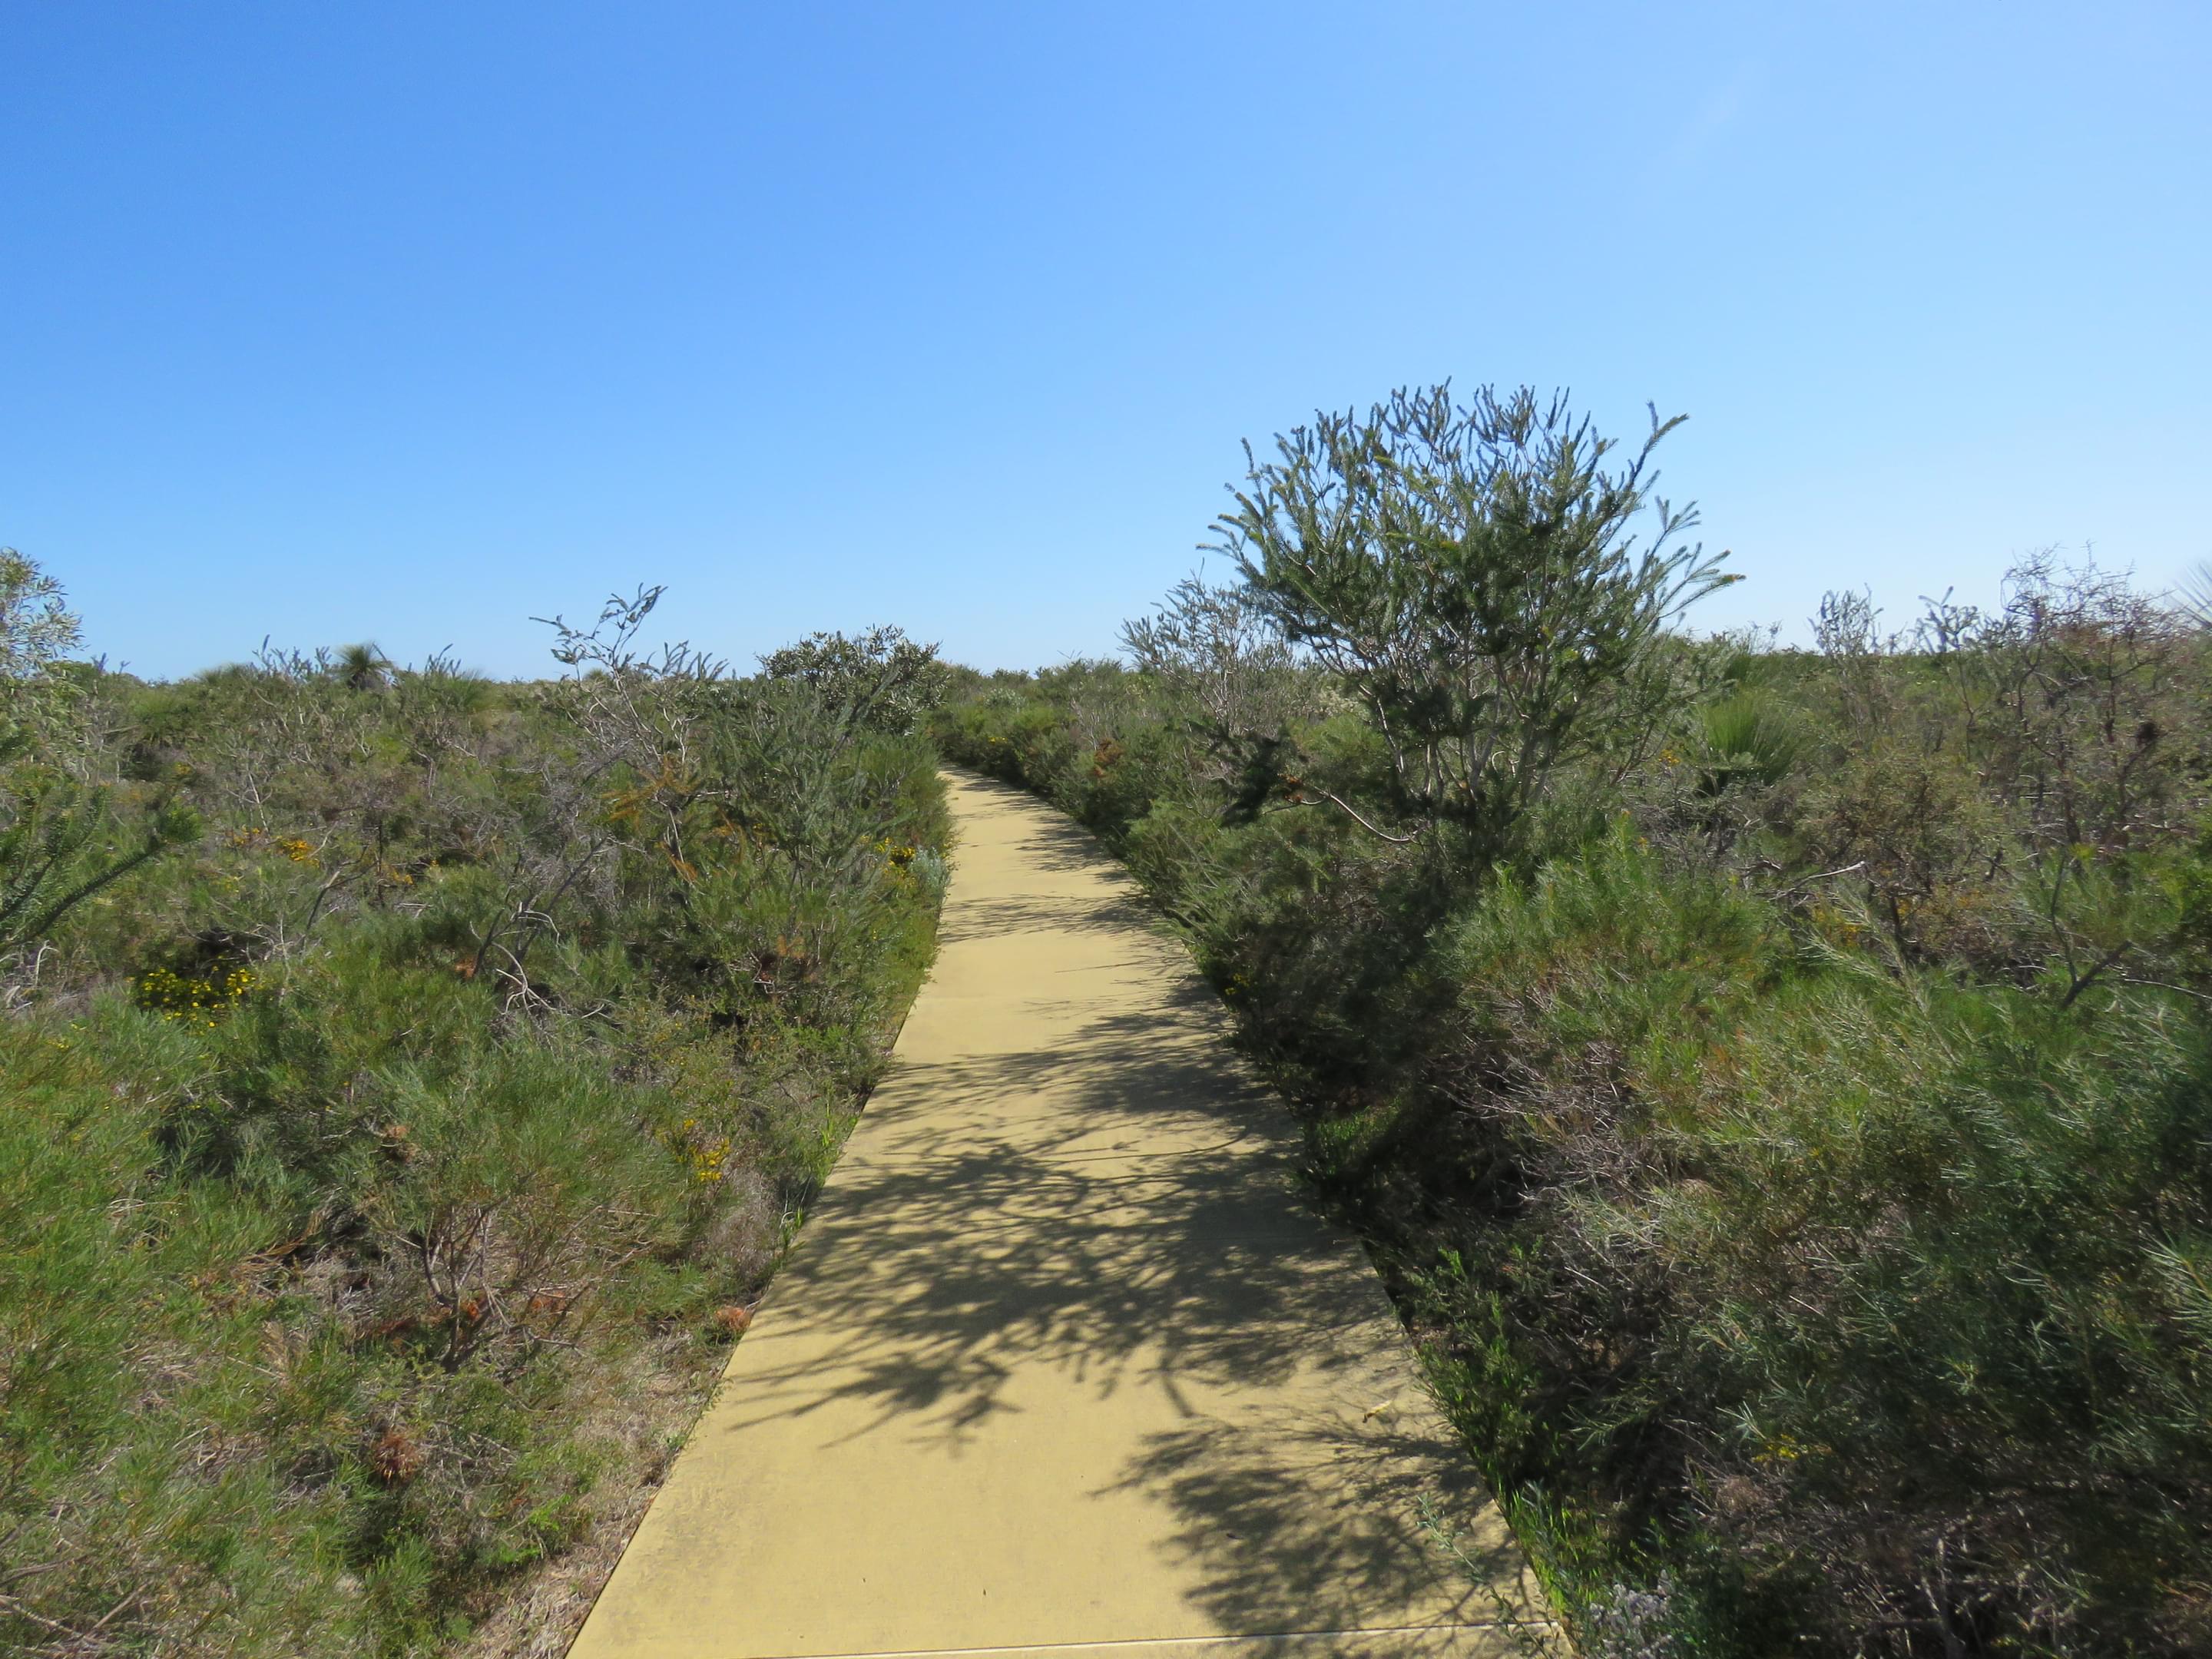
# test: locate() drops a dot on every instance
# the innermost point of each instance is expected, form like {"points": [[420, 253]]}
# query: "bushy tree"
{"points": [[879, 679], [1218, 648], [63, 838], [38, 631], [1468, 572]]}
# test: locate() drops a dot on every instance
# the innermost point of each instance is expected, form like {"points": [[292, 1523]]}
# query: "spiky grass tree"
{"points": [[362, 667]]}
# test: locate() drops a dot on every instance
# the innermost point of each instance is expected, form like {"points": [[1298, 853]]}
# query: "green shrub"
{"points": [[1794, 1153], [386, 1168], [1750, 736]]}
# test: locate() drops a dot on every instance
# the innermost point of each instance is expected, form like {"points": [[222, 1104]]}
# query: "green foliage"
{"points": [[1469, 575], [1215, 650], [1873, 1258], [1750, 737], [360, 667], [61, 842], [1794, 1150], [64, 836], [386, 1168], [37, 633], [880, 679]]}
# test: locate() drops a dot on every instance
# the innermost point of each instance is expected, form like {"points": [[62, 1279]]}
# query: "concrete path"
{"points": [[1060, 1364]]}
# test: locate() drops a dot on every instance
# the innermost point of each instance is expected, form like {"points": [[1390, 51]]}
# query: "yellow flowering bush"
{"points": [[190, 999]]}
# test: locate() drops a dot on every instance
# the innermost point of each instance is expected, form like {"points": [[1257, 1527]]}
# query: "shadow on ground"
{"points": [[1121, 1207]]}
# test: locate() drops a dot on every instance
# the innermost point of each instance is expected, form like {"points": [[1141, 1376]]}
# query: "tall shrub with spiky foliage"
{"points": [[63, 837], [1469, 574]]}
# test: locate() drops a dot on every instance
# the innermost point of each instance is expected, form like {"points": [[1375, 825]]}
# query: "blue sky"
{"points": [[409, 322]]}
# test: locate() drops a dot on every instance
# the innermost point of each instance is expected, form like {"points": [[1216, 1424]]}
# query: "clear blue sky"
{"points": [[408, 321]]}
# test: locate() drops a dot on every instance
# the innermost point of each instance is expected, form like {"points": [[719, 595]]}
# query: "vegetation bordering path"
{"points": [[1775, 1083], [412, 1082]]}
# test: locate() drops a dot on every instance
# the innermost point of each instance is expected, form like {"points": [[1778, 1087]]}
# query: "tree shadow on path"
{"points": [[1119, 1207]]}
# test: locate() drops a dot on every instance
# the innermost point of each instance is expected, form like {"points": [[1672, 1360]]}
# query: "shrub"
{"points": [[1791, 1149], [1467, 575], [387, 1166], [879, 679]]}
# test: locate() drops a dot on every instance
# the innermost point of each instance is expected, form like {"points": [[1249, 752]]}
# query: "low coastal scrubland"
{"points": [[412, 1081], [1774, 1082]]}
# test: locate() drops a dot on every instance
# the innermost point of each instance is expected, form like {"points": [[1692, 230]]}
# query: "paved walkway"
{"points": [[1060, 1365]]}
